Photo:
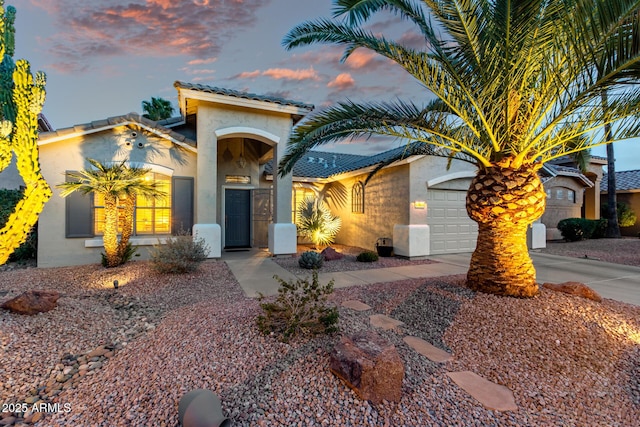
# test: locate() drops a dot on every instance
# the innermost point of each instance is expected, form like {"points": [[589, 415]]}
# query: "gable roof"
{"points": [[625, 181], [550, 171], [324, 164], [243, 95], [112, 122]]}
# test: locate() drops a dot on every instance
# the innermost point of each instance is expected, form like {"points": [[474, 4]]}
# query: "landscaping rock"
{"points": [[574, 288], [32, 302], [331, 254], [370, 365]]}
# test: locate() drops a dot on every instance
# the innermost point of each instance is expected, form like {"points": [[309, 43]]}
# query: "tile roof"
{"points": [[323, 164], [550, 170], [625, 181], [244, 95], [97, 125]]}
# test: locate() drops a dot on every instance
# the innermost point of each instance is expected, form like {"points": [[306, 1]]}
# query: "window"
{"points": [[357, 197], [559, 194], [151, 216], [571, 196], [548, 193]]}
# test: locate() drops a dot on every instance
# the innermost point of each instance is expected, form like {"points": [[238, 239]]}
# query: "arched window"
{"points": [[357, 197]]}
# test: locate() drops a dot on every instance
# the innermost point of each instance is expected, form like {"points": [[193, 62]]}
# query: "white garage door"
{"points": [[452, 231]]}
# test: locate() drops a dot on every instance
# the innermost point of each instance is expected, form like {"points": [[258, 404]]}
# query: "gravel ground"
{"points": [[619, 251], [569, 361], [347, 263]]}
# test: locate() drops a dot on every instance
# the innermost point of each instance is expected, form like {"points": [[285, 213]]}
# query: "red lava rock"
{"points": [[574, 288], [331, 254], [32, 302], [370, 365]]}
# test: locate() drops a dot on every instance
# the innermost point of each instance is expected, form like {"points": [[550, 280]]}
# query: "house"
{"points": [[627, 191], [216, 162], [420, 200], [209, 161]]}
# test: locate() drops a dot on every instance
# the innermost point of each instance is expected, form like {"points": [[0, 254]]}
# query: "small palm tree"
{"points": [[316, 222], [157, 109], [515, 85], [117, 183]]}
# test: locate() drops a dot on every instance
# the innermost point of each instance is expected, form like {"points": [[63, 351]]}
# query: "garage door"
{"points": [[452, 231]]}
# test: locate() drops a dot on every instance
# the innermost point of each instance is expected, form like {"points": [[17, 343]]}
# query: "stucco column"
{"points": [[206, 224], [281, 188], [207, 175], [282, 232]]}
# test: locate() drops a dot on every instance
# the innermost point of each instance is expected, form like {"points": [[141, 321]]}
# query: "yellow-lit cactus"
{"points": [[21, 97]]}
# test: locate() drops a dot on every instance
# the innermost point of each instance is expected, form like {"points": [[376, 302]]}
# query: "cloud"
{"points": [[280, 74], [89, 29], [362, 58], [289, 74], [343, 81], [202, 61]]}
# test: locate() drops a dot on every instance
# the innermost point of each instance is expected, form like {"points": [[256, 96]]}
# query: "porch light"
{"points": [[419, 204], [241, 161]]}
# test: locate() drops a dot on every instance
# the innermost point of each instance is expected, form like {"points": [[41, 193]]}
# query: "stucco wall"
{"points": [[54, 249], [10, 178], [559, 209], [214, 117], [386, 203]]}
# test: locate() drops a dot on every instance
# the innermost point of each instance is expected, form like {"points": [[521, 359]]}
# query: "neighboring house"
{"points": [[627, 191], [419, 202], [208, 160], [9, 177]]}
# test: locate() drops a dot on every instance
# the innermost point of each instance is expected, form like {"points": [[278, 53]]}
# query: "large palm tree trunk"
{"points": [[504, 202], [129, 206], [110, 237]]}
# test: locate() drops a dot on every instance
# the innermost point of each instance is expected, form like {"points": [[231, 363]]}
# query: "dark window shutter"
{"points": [[181, 204], [78, 214]]}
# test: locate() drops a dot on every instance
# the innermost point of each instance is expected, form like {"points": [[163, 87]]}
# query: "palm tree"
{"points": [[515, 87], [157, 109], [117, 183], [316, 222]]}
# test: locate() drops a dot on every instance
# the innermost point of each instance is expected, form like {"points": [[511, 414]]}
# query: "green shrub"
{"points": [[626, 216], [179, 254], [600, 228], [310, 260], [29, 249], [574, 229], [127, 254], [367, 256], [300, 308]]}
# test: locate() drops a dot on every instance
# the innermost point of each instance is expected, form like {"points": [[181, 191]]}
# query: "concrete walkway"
{"points": [[254, 271]]}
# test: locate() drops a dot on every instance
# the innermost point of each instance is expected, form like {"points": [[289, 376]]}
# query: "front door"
{"points": [[237, 218]]}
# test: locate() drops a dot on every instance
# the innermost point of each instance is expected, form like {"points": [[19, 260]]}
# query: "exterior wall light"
{"points": [[419, 204]]}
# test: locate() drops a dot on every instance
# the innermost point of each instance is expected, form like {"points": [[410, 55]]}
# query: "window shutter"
{"points": [[181, 204], [78, 214]]}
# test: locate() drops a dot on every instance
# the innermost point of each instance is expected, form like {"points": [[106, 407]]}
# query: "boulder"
{"points": [[32, 302], [574, 288], [370, 365], [331, 254]]}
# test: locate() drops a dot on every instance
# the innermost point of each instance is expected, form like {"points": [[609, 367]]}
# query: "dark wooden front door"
{"points": [[237, 218]]}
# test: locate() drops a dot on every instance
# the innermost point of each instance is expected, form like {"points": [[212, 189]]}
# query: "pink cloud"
{"points": [[342, 82], [281, 74], [289, 74], [202, 61], [152, 28], [361, 59], [249, 74]]}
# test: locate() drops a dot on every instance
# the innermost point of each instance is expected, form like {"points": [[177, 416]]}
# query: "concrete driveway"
{"points": [[615, 281]]}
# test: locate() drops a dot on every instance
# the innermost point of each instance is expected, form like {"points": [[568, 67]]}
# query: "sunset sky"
{"points": [[104, 57]]}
